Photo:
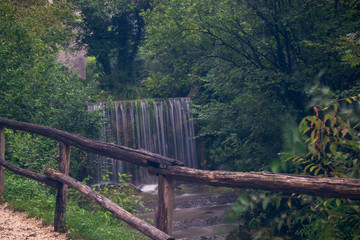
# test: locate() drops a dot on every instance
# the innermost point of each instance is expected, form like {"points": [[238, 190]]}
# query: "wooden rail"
{"points": [[58, 180], [2, 155], [120, 213], [135, 156], [167, 169], [316, 186]]}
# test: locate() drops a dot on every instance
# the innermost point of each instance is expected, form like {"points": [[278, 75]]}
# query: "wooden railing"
{"points": [[168, 170]]}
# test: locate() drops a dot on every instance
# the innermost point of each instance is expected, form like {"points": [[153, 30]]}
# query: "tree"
{"points": [[112, 32], [34, 87], [235, 52]]}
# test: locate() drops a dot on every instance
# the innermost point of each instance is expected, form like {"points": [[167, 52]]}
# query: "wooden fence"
{"points": [[168, 170]]}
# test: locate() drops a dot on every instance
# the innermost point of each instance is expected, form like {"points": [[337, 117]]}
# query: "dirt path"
{"points": [[18, 226]]}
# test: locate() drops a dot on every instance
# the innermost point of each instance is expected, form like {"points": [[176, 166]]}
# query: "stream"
{"points": [[199, 211]]}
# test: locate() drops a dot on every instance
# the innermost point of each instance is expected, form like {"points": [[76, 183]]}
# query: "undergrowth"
{"points": [[39, 200]]}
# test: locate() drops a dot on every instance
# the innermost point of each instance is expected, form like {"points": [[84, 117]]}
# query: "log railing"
{"points": [[2, 156], [167, 171]]}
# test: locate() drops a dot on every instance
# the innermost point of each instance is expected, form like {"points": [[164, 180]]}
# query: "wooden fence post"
{"points": [[164, 209], [2, 156], [61, 198]]}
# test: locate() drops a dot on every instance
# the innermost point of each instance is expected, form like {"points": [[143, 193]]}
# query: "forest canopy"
{"points": [[249, 66]]}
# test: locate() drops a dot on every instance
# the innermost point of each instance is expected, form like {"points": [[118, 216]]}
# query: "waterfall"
{"points": [[160, 126]]}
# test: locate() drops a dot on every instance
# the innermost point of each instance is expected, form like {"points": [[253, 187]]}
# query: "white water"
{"points": [[160, 126], [149, 188]]}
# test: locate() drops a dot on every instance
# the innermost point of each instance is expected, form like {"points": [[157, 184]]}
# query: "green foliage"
{"points": [[185, 39], [332, 150], [97, 225], [350, 48], [121, 194], [333, 143], [35, 88], [30, 196], [246, 65], [102, 221], [238, 127], [263, 215], [39, 201], [51, 25], [93, 71], [327, 218], [171, 54], [112, 31], [35, 153], [161, 85]]}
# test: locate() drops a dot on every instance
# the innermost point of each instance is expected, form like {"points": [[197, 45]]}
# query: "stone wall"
{"points": [[76, 61]]}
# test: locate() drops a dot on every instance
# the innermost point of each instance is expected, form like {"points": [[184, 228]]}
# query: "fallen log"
{"points": [[139, 157], [29, 174], [309, 185], [120, 213]]}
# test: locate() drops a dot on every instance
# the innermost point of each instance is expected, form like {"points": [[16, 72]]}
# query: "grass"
{"points": [[39, 200]]}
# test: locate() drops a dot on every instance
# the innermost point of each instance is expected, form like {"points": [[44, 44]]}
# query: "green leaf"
{"points": [[335, 106], [313, 134], [306, 168], [289, 218], [335, 131], [338, 202], [326, 203], [306, 130], [333, 147], [327, 117], [278, 202], [265, 203], [326, 141], [244, 200], [280, 223]]}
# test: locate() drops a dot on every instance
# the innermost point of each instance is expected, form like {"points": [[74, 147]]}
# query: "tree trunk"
{"points": [[120, 213]]}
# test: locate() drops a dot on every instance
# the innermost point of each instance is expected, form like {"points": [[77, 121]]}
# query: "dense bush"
{"points": [[332, 143], [35, 88]]}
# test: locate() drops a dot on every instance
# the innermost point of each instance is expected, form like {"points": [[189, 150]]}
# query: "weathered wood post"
{"points": [[165, 205], [61, 198], [2, 156]]}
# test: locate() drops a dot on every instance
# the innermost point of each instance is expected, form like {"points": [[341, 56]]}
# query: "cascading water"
{"points": [[164, 127], [160, 126]]}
